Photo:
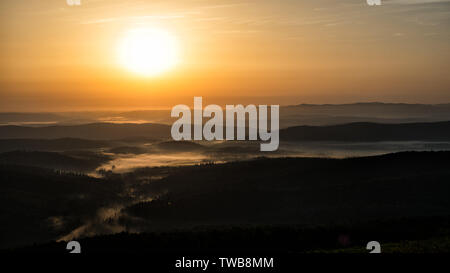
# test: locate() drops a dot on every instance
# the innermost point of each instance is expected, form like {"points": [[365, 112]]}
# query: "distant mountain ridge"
{"points": [[356, 132], [53, 160], [370, 103], [290, 115], [96, 131], [59, 144], [31, 117], [374, 110], [367, 132]]}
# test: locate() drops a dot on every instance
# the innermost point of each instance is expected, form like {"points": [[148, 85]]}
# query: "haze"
{"points": [[56, 57]]}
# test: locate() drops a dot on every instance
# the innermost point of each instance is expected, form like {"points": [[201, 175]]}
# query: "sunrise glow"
{"points": [[148, 52]]}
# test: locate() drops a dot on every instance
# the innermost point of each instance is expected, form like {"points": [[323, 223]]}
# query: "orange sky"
{"points": [[56, 57]]}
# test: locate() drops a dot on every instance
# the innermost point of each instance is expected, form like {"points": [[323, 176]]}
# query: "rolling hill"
{"points": [[367, 132], [98, 131]]}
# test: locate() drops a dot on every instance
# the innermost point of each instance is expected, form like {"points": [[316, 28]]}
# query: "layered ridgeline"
{"points": [[302, 114], [96, 131], [369, 132], [359, 132]]}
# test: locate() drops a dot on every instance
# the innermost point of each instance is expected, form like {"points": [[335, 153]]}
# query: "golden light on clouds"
{"points": [[148, 51]]}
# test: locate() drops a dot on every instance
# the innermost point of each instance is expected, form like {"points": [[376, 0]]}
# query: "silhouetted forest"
{"points": [[420, 235], [39, 204], [304, 191], [311, 201]]}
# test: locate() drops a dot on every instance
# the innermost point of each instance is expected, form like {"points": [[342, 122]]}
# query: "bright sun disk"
{"points": [[148, 52]]}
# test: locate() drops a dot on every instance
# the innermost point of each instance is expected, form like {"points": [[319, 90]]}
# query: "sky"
{"points": [[60, 57]]}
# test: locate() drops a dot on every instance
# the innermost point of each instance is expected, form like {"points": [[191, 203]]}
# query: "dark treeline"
{"points": [[421, 235], [304, 191], [260, 196], [38, 205]]}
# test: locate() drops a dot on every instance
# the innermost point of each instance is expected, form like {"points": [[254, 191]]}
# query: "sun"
{"points": [[148, 52]]}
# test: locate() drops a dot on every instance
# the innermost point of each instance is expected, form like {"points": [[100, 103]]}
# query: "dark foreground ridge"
{"points": [[403, 193], [422, 235]]}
